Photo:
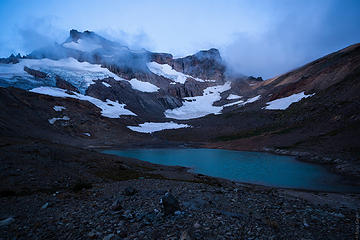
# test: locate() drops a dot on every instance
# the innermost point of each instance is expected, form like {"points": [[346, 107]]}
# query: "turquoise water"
{"points": [[250, 167]]}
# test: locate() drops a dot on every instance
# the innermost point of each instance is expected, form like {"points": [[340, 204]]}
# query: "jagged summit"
{"points": [[75, 35]]}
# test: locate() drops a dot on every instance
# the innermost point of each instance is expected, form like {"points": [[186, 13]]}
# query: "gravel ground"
{"points": [[108, 211]]}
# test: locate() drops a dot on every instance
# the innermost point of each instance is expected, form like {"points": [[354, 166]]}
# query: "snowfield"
{"points": [[150, 127], [167, 71], [284, 103], [199, 106], [109, 108], [143, 86], [79, 74], [82, 45]]}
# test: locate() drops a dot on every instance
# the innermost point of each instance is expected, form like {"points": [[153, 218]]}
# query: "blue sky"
{"points": [[260, 38]]}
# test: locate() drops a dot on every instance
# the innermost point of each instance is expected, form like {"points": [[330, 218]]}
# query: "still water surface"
{"points": [[250, 167]]}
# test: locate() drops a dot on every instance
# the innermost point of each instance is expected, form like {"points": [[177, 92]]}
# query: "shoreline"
{"points": [[345, 179]]}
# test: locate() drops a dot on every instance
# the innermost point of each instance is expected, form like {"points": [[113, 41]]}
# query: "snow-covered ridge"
{"points": [[83, 45], [150, 127], [143, 86], [109, 108], [284, 103], [167, 71], [199, 106], [79, 74]]}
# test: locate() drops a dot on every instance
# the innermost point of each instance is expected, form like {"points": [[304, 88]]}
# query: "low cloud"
{"points": [[297, 38]]}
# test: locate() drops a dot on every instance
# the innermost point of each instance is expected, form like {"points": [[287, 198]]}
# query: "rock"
{"points": [[109, 237], [170, 204], [197, 225], [6, 221], [129, 191], [116, 206], [127, 214], [196, 204], [45, 206], [305, 223], [185, 235], [93, 234], [61, 83], [35, 73]]}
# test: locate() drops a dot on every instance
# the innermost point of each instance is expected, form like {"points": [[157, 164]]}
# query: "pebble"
{"points": [[45, 206], [6, 221]]}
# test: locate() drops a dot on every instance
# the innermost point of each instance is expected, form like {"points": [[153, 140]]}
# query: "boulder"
{"points": [[169, 203]]}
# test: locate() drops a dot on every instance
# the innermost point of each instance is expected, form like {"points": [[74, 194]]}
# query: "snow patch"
{"points": [[87, 134], [143, 86], [53, 120], [106, 84], [82, 45], [59, 108], [253, 99], [284, 103], [150, 127], [108, 108], [233, 96], [199, 106], [234, 103], [167, 71], [242, 103]]}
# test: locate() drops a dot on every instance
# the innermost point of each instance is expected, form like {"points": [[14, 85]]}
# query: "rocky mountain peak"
{"points": [[75, 35], [212, 53]]}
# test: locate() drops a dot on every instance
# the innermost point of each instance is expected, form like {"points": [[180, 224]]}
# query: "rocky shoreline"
{"points": [[347, 169]]}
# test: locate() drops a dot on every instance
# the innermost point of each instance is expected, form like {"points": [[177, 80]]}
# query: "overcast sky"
{"points": [[260, 38]]}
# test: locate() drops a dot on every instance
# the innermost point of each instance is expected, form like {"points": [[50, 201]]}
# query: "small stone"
{"points": [[116, 206], [109, 237], [92, 234], [185, 235], [197, 225], [305, 223], [129, 191], [6, 221], [45, 205]]}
